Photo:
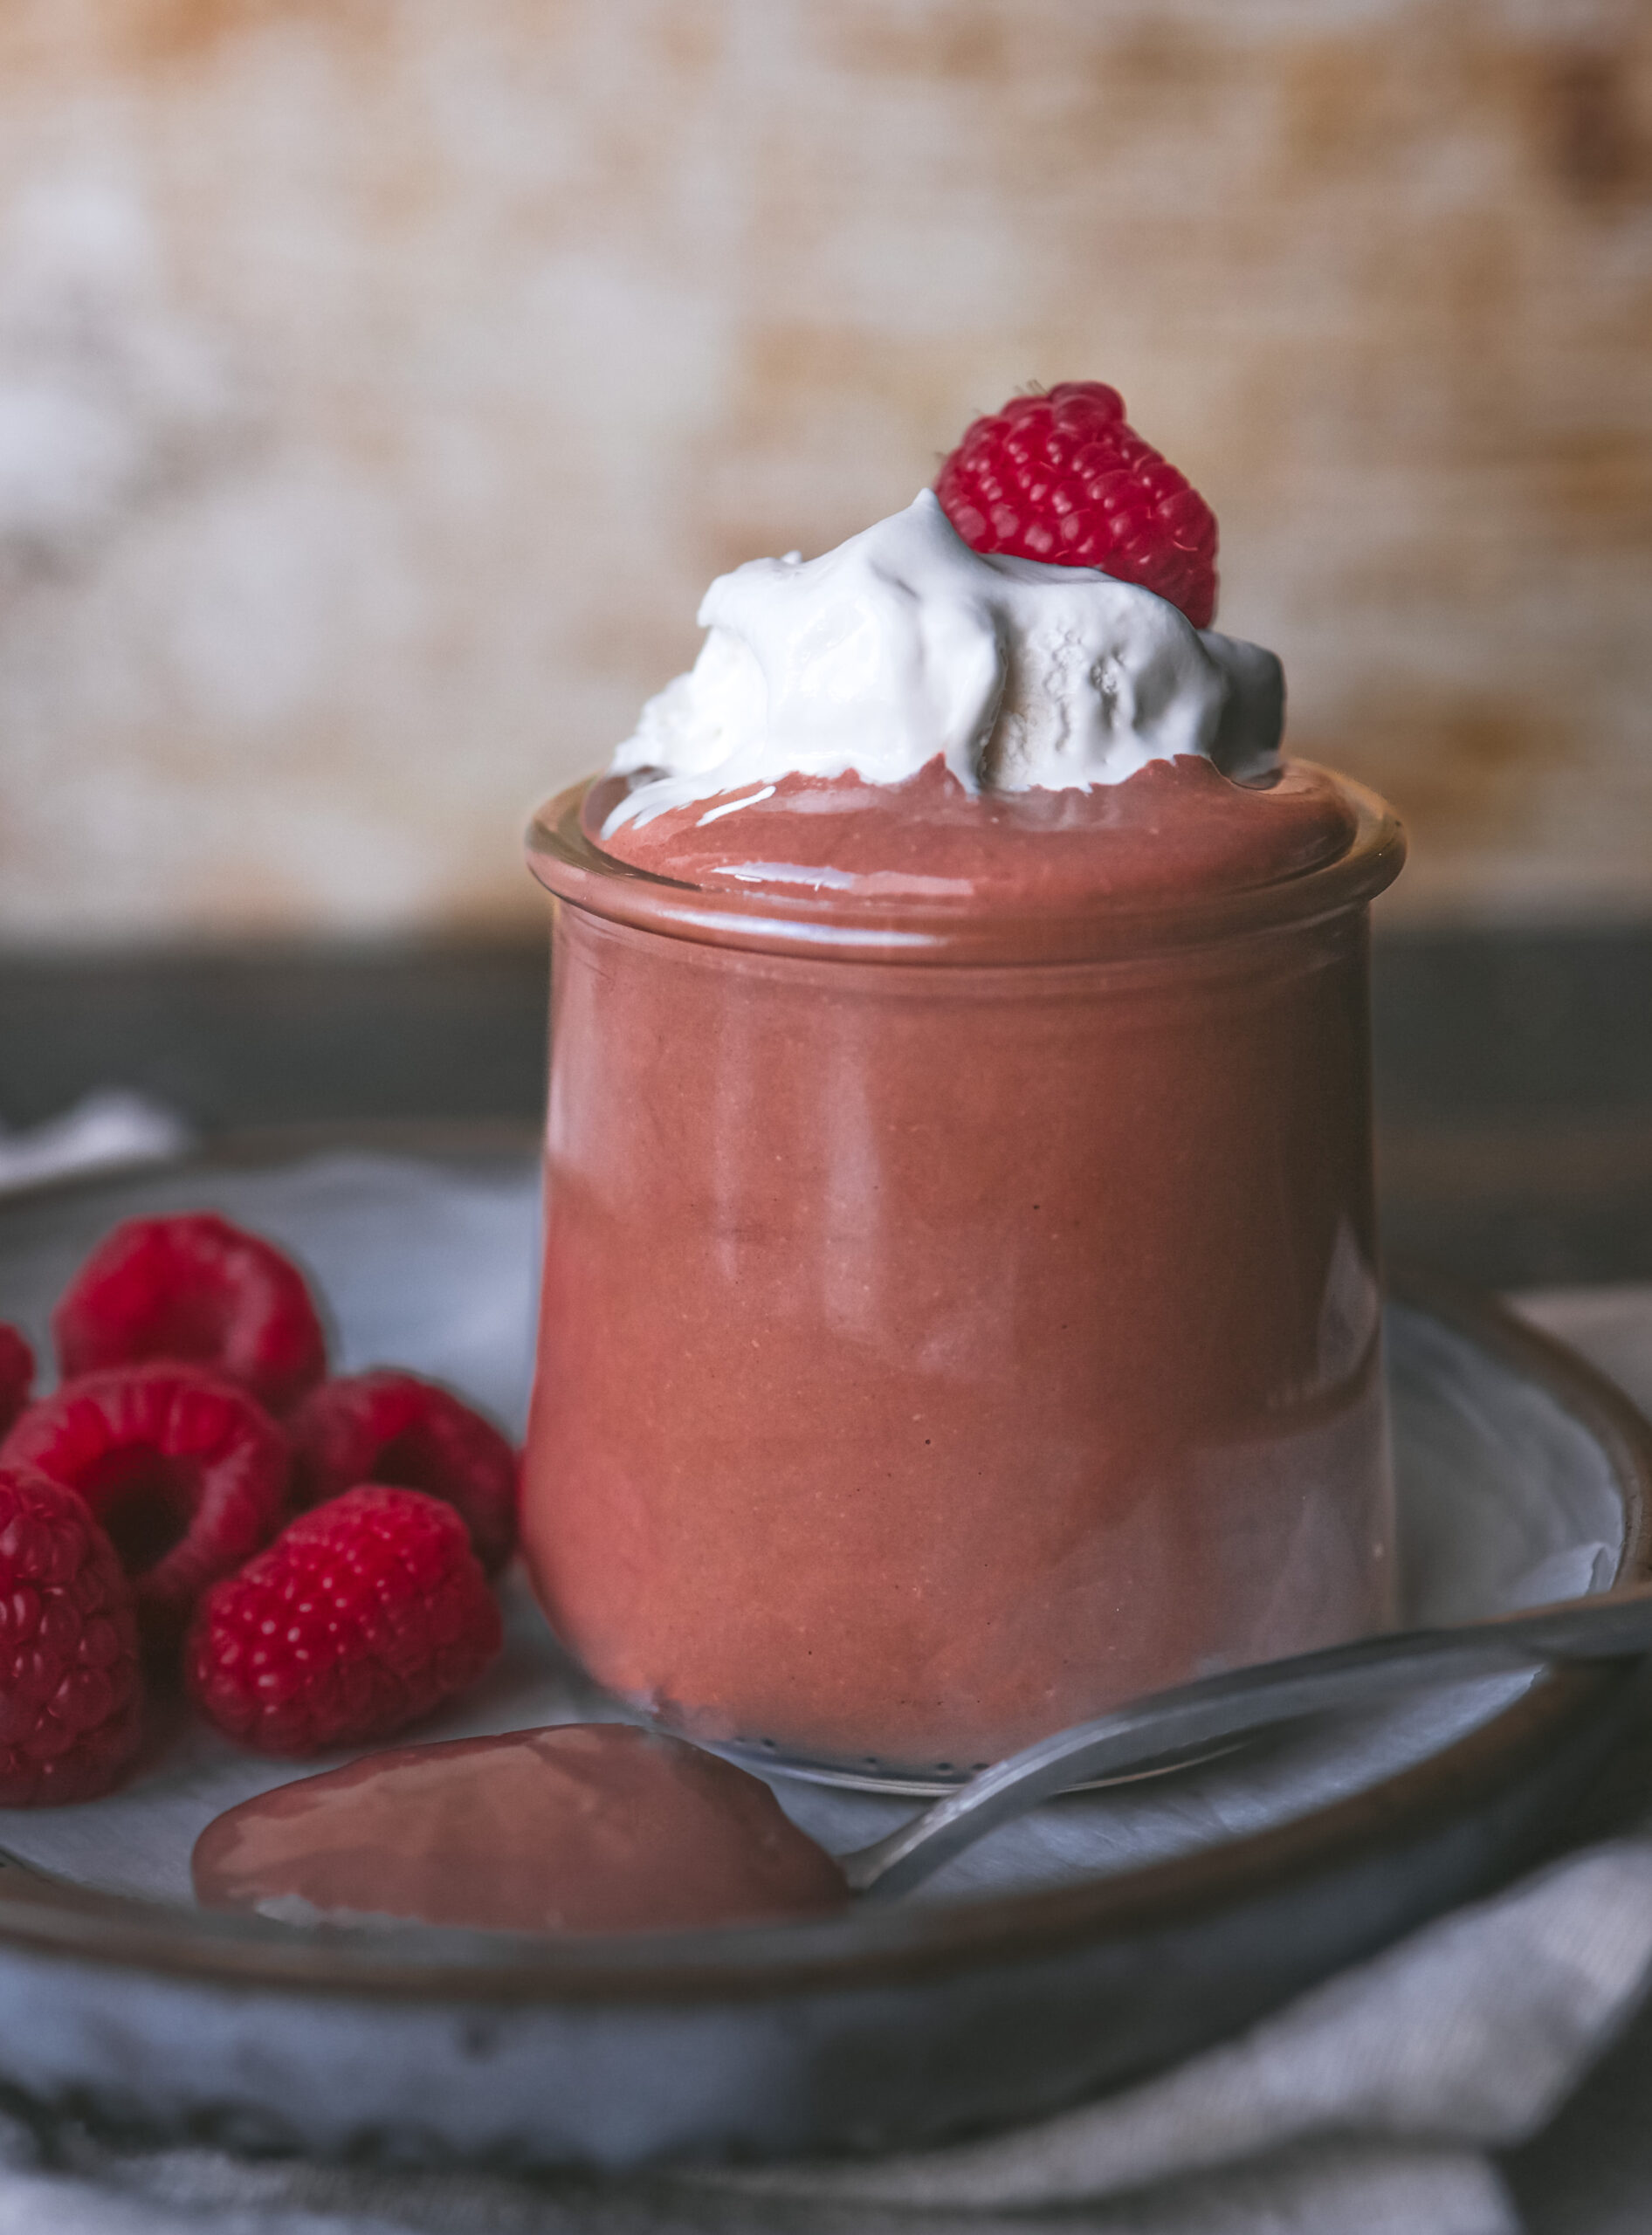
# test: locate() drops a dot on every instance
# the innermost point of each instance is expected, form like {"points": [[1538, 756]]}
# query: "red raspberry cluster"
{"points": [[315, 1549], [1064, 478]]}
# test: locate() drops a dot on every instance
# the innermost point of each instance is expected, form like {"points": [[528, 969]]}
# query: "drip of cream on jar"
{"points": [[904, 646]]}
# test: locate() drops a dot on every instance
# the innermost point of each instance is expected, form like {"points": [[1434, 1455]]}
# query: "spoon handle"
{"points": [[1614, 1625]]}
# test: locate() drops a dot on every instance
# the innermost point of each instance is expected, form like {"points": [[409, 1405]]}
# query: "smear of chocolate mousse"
{"points": [[578, 1828]]}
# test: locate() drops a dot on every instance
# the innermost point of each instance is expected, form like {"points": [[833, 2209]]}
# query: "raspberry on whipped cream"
{"points": [[1063, 477]]}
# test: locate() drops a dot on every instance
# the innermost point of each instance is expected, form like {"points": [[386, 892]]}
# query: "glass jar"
{"points": [[953, 1323]]}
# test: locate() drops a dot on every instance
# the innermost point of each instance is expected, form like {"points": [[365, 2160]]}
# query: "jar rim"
{"points": [[566, 860]]}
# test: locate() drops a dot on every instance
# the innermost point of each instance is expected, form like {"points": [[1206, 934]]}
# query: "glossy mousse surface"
{"points": [[1177, 826], [581, 1827]]}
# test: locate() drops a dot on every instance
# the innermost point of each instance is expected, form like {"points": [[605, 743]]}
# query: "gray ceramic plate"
{"points": [[1107, 1936]]}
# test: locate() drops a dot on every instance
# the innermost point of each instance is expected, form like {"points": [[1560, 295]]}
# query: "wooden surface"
{"points": [[1514, 1091]]}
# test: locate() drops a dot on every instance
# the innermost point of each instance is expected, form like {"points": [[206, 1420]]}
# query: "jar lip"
{"points": [[575, 869]]}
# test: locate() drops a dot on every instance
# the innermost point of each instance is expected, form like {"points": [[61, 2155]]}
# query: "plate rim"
{"points": [[881, 1948]]}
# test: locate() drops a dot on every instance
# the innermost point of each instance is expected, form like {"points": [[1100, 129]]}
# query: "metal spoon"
{"points": [[1614, 1625]]}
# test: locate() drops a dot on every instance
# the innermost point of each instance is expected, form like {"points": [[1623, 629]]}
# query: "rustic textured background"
{"points": [[382, 380]]}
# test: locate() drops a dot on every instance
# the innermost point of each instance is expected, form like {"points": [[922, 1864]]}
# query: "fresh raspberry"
{"points": [[71, 1689], [362, 1616], [1062, 477], [186, 1472], [197, 1289], [16, 1375], [389, 1426]]}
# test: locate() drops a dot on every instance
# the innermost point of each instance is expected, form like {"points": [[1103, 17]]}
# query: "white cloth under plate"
{"points": [[111, 1131]]}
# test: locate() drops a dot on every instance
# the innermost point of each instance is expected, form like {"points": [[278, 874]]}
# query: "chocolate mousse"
{"points": [[960, 1305], [582, 1827]]}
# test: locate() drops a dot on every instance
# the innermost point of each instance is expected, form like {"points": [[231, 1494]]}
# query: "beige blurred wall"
{"points": [[381, 381]]}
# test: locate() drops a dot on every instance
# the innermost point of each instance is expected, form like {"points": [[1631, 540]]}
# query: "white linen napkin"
{"points": [[110, 1131]]}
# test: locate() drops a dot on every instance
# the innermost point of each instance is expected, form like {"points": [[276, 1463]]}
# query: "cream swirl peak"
{"points": [[904, 645]]}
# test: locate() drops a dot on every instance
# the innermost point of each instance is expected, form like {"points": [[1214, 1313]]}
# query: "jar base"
{"points": [[899, 1781]]}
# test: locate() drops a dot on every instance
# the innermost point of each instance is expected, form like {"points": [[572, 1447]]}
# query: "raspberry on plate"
{"points": [[362, 1616], [194, 1288], [186, 1473], [393, 1427], [71, 1688], [1062, 478], [16, 1374]]}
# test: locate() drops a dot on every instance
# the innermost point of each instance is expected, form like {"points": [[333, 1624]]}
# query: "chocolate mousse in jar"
{"points": [[960, 1308]]}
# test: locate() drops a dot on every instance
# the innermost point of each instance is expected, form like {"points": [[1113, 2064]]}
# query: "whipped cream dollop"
{"points": [[902, 644]]}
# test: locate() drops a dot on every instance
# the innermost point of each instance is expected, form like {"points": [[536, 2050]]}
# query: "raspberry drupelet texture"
{"points": [[185, 1472], [362, 1616], [393, 1427], [71, 1688], [16, 1374], [196, 1289], [1062, 478]]}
